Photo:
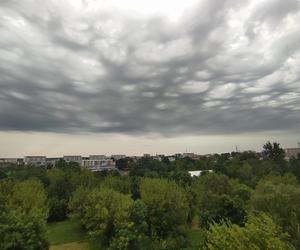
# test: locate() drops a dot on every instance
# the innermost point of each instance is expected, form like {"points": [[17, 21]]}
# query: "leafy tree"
{"points": [[23, 217], [104, 213], [273, 152], [260, 232], [282, 201], [123, 163], [295, 166], [28, 172], [240, 170], [132, 235], [167, 207], [117, 183], [217, 197], [59, 191]]}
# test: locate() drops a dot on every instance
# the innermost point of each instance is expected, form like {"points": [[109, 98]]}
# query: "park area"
{"points": [[67, 235]]}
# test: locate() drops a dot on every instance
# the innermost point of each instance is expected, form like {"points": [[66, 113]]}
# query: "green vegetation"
{"points": [[64, 232], [70, 246], [250, 201], [259, 232]]}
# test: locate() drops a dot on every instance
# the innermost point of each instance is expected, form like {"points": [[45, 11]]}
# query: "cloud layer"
{"points": [[86, 66]]}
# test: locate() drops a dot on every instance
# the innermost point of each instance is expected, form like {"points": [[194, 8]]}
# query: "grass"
{"points": [[195, 239], [70, 246], [67, 235], [64, 232]]}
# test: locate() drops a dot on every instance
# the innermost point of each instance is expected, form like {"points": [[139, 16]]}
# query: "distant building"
{"points": [[6, 161], [191, 155], [171, 158], [51, 162], [157, 157], [98, 165], [97, 157], [147, 155], [118, 157], [73, 158], [199, 172], [290, 152], [35, 160]]}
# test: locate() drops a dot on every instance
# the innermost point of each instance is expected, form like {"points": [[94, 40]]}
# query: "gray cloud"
{"points": [[224, 67]]}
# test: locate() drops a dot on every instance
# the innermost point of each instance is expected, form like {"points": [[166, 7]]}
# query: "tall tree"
{"points": [[260, 232], [273, 151], [280, 197], [167, 207], [23, 217]]}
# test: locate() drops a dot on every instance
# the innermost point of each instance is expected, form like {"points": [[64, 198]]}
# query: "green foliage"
{"points": [[64, 232], [117, 183], [167, 207], [280, 197], [260, 232], [62, 182], [273, 151], [295, 166], [104, 213], [217, 197], [23, 215], [58, 191], [137, 212]]}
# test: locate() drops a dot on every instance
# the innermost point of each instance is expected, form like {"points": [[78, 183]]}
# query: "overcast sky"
{"points": [[163, 76]]}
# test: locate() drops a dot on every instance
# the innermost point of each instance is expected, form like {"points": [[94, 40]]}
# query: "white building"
{"points": [[9, 160], [97, 157], [171, 158], [35, 160], [98, 165], [73, 158], [118, 157], [199, 172]]}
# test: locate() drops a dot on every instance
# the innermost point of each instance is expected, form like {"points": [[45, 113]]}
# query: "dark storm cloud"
{"points": [[224, 67]]}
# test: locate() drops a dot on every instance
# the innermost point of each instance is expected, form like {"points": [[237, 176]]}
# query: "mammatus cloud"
{"points": [[84, 66]]}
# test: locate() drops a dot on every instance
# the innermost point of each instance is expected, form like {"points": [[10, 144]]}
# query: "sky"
{"points": [[161, 76]]}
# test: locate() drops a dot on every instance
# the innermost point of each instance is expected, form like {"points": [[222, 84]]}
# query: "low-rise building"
{"points": [[171, 158], [35, 160], [11, 161], [51, 162], [191, 155], [98, 165], [97, 157], [73, 158], [118, 157], [292, 152]]}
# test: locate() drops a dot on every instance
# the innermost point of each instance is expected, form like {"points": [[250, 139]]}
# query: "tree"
{"points": [[295, 166], [260, 232], [280, 198], [217, 197], [132, 235], [23, 217], [104, 214], [59, 191], [117, 183], [167, 207], [273, 152]]}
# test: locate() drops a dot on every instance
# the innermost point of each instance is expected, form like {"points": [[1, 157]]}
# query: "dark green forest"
{"points": [[249, 201]]}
